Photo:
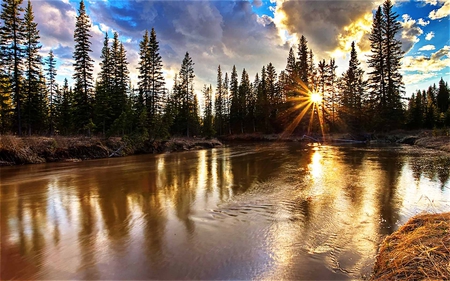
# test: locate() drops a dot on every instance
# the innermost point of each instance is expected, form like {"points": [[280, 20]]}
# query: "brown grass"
{"points": [[419, 250], [439, 143]]}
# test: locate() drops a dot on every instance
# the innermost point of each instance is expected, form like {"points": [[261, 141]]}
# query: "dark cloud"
{"points": [[322, 21]]}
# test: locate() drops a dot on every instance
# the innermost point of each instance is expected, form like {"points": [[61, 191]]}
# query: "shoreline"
{"points": [[38, 149], [35, 150]]}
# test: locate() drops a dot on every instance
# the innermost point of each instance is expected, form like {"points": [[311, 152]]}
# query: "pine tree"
{"points": [[243, 91], [12, 36], [273, 100], [292, 75], [234, 100], [208, 128], [103, 90], [353, 93], [33, 65], [442, 98], [187, 114], [219, 104], [156, 77], [83, 68], [302, 61], [65, 122], [52, 87], [385, 80]]}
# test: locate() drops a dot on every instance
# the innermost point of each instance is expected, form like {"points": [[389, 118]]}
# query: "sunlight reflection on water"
{"points": [[278, 211]]}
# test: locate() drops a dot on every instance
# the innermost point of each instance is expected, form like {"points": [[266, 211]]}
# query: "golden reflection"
{"points": [[316, 165]]}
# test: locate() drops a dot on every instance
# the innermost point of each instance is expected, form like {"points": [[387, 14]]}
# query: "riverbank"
{"points": [[419, 250], [32, 150], [426, 139]]}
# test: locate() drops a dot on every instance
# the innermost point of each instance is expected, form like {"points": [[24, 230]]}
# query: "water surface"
{"points": [[260, 211]]}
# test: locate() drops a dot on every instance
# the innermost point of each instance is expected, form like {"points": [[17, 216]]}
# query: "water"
{"points": [[262, 211]]}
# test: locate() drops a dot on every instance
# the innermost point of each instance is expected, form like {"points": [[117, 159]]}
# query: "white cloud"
{"points": [[416, 78], [429, 36], [442, 12], [422, 22], [423, 64], [427, 48], [410, 33]]}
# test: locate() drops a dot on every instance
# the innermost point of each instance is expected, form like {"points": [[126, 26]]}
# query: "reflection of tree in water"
{"points": [[431, 167], [258, 166], [391, 164]]}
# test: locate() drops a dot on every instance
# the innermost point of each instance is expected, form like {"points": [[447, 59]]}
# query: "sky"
{"points": [[249, 34]]}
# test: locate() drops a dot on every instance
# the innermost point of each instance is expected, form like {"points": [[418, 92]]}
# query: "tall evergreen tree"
{"points": [[52, 87], [302, 60], [234, 100], [353, 93], [12, 36], [443, 97], [65, 120], [156, 76], [103, 91], [376, 62], [208, 126], [385, 79], [187, 113], [243, 91], [83, 67], [33, 66], [219, 104]]}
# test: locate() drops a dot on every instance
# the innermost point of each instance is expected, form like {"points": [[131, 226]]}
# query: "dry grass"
{"points": [[439, 143], [419, 250]]}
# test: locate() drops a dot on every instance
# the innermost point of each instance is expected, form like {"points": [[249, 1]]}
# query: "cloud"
{"points": [[429, 36], [410, 33], [427, 48], [416, 78], [257, 3], [436, 62], [442, 12], [323, 23], [422, 22]]}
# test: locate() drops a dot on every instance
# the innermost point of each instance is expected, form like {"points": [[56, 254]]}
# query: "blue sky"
{"points": [[249, 34]]}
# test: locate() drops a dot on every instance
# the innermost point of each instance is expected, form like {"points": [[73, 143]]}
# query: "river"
{"points": [[253, 211]]}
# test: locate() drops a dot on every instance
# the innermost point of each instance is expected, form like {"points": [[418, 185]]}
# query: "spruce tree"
{"points": [[12, 36], [302, 61], [394, 54], [33, 66], [443, 98], [65, 120], [188, 114], [208, 127], [234, 100], [156, 77], [104, 89], [385, 79], [52, 87], [83, 67], [243, 92], [219, 104], [353, 93]]}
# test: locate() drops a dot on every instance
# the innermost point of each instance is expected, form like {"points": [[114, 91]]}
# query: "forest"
{"points": [[304, 98]]}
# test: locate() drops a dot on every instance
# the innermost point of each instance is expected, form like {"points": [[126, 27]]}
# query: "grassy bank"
{"points": [[30, 150], [419, 250]]}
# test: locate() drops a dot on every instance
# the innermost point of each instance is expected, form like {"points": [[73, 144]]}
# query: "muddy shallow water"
{"points": [[256, 211]]}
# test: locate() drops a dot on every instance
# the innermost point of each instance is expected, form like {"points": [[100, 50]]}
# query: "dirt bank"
{"points": [[31, 150], [419, 250]]}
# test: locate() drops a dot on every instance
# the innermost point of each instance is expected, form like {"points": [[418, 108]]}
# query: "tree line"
{"points": [[31, 102]]}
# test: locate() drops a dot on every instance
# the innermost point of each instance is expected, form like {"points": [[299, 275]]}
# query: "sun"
{"points": [[315, 98]]}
